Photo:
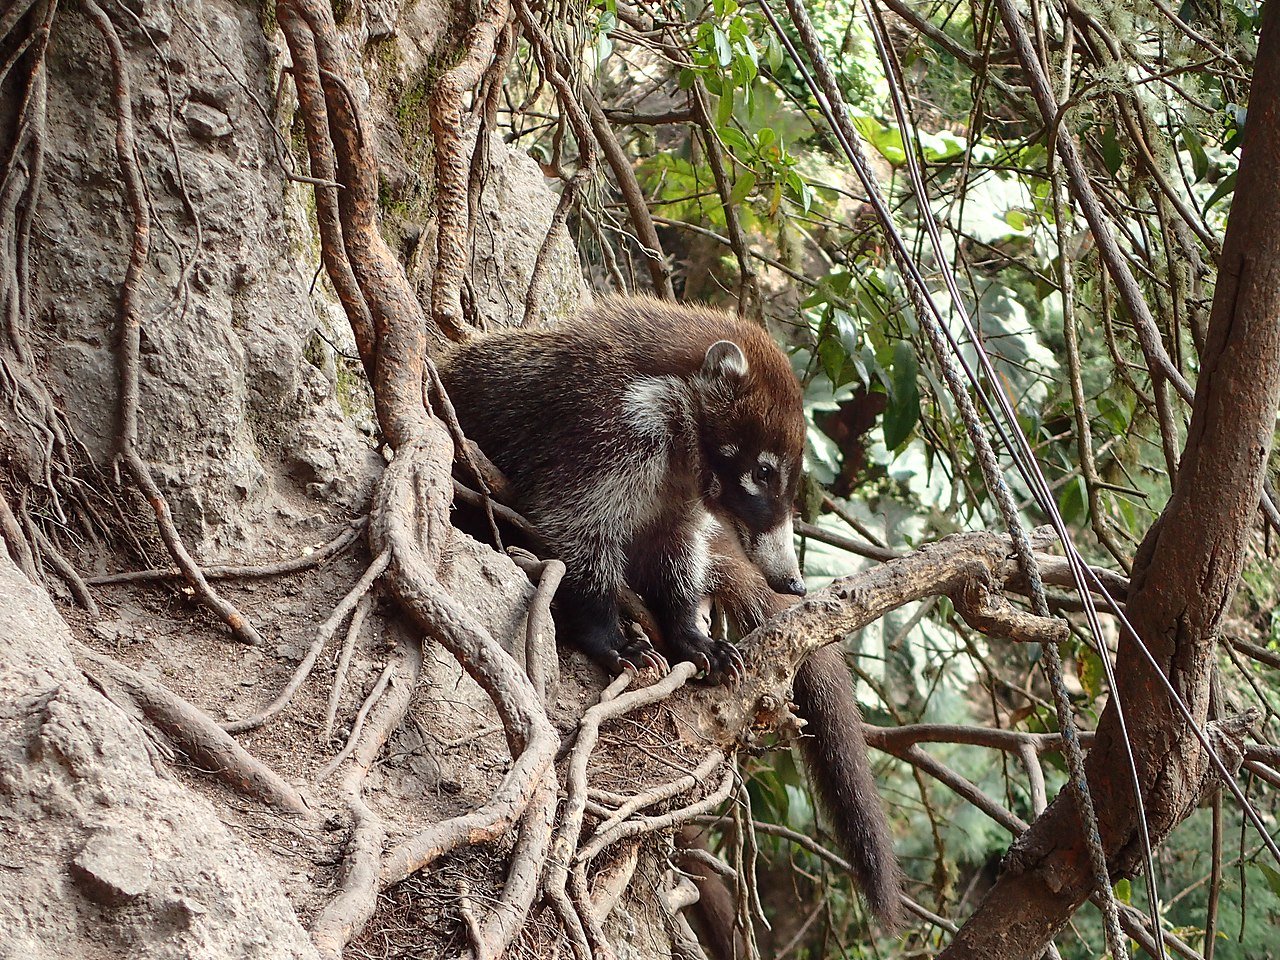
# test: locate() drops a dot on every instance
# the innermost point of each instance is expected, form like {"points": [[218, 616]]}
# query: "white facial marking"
{"points": [[749, 485], [728, 451], [774, 553]]}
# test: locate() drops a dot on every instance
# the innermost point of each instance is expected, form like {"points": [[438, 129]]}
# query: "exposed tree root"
{"points": [[224, 571], [350, 910], [453, 169], [527, 860], [541, 660], [665, 791], [131, 332], [15, 541], [410, 518], [344, 663], [323, 636], [379, 686], [50, 553], [196, 734]]}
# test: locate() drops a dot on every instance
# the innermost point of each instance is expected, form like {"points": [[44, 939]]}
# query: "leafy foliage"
{"points": [[1157, 105]]}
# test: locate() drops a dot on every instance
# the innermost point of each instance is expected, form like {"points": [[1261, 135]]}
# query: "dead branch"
{"points": [[306, 561], [988, 611], [774, 651], [323, 636], [196, 734]]}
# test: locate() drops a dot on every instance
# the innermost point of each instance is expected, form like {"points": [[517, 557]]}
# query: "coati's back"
{"points": [[499, 383]]}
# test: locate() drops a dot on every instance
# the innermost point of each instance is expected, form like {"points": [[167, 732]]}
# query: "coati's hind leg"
{"points": [[591, 622]]}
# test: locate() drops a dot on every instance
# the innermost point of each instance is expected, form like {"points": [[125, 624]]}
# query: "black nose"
{"points": [[795, 586]]}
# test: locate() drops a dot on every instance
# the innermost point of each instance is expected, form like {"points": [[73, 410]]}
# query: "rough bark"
{"points": [[1185, 575]]}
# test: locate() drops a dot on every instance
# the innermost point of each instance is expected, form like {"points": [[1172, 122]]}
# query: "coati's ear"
{"points": [[725, 363]]}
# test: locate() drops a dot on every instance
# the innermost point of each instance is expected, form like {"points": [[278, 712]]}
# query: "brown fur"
{"points": [[556, 410], [621, 430]]}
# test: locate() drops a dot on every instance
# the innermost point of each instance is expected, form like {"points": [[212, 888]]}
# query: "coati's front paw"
{"points": [[637, 653], [719, 660]]}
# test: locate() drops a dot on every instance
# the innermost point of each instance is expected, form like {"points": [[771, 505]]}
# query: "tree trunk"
{"points": [[1184, 577]]}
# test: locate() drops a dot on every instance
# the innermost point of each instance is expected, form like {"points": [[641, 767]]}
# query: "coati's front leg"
{"points": [[591, 622], [672, 583]]}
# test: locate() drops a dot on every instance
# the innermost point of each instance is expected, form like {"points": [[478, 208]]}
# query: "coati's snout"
{"points": [[774, 552]]}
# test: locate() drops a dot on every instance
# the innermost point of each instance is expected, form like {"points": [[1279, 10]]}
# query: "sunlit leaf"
{"points": [[904, 404]]}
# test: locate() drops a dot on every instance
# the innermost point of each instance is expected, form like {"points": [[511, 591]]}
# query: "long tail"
{"points": [[836, 754], [835, 750]]}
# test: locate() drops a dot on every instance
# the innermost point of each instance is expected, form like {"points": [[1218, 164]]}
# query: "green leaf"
{"points": [[1114, 415], [1124, 891], [1074, 500], [772, 52], [1112, 152], [746, 182], [1227, 186], [1199, 160], [1272, 876], [733, 138], [887, 141], [724, 49], [724, 109], [834, 361], [904, 403]]}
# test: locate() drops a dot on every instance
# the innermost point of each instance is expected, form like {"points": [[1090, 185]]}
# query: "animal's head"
{"points": [[752, 427]]}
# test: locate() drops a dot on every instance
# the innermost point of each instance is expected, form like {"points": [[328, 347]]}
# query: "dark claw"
{"points": [[638, 656], [657, 661]]}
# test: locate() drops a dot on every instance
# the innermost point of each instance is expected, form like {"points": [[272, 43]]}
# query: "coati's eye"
{"points": [[763, 473]]}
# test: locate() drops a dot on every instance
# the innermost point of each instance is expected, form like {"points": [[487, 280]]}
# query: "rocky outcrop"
{"points": [[102, 855]]}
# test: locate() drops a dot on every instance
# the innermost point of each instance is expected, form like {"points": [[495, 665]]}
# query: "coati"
{"points": [[634, 437]]}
